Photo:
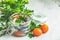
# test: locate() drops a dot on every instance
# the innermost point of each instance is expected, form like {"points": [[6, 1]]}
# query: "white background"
{"points": [[52, 11]]}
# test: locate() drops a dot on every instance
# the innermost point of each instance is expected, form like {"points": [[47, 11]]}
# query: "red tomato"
{"points": [[37, 32], [44, 28]]}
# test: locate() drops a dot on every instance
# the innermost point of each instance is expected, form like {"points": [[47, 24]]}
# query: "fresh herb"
{"points": [[32, 26], [1, 28], [10, 7], [31, 35], [38, 26]]}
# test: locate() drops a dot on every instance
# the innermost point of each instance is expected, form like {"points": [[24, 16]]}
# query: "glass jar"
{"points": [[23, 27]]}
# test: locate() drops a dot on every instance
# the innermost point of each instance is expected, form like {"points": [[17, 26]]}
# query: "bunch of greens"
{"points": [[10, 7], [32, 27]]}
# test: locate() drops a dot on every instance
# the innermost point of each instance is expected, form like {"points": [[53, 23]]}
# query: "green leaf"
{"points": [[20, 20], [1, 4], [3, 18], [32, 26], [26, 1], [8, 7], [28, 12], [10, 1], [16, 24], [6, 0], [30, 35], [18, 10], [1, 28], [38, 26]]}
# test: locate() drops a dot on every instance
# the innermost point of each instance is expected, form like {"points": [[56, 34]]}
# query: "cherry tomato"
{"points": [[37, 32], [44, 28]]}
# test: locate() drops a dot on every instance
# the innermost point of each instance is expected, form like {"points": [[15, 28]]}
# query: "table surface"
{"points": [[52, 11]]}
